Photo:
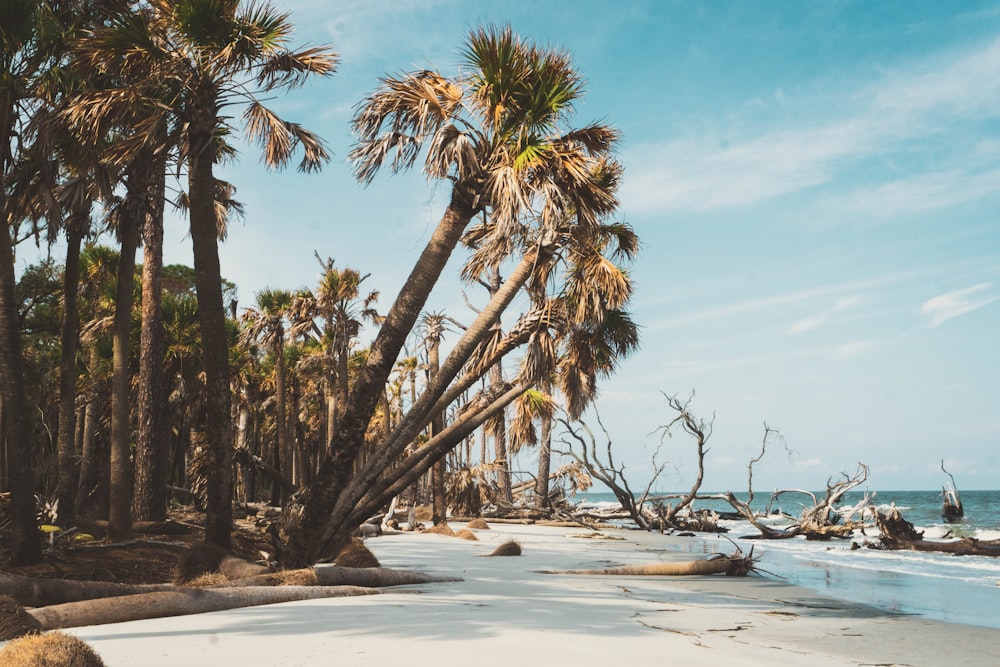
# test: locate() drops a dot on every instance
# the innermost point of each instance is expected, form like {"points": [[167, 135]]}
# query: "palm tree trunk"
{"points": [[24, 541], [281, 417], [500, 442], [69, 337], [439, 506], [120, 505], [150, 500], [318, 527], [214, 336], [85, 498], [544, 463]]}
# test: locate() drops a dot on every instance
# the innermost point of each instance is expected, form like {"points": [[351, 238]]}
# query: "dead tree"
{"points": [[951, 509], [824, 519], [607, 472], [755, 517], [701, 431]]}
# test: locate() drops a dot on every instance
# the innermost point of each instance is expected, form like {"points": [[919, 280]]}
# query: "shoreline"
{"points": [[505, 610]]}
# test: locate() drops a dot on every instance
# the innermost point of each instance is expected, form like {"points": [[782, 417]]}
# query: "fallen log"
{"points": [[180, 602], [896, 533], [41, 591], [335, 575], [734, 565]]}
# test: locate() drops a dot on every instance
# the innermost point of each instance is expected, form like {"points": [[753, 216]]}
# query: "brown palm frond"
{"points": [[540, 357], [290, 68], [452, 149], [270, 132]]}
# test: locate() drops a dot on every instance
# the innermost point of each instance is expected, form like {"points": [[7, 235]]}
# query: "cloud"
{"points": [[916, 195], [728, 310], [816, 321], [895, 116], [952, 304]]}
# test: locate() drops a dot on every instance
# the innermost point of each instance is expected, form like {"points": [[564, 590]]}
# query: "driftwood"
{"points": [[951, 509], [824, 519], [734, 565], [334, 575], [180, 602], [609, 473], [41, 591], [668, 514], [896, 533]]}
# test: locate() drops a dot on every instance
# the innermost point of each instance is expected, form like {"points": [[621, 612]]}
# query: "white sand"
{"points": [[505, 613]]}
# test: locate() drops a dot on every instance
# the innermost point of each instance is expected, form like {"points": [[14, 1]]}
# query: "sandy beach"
{"points": [[505, 612]]}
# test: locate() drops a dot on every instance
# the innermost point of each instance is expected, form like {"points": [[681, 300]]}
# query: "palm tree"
{"points": [[434, 326], [30, 46], [338, 304], [498, 133], [149, 501], [266, 325], [191, 59]]}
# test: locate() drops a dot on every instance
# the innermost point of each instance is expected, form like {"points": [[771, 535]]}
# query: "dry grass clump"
{"points": [[424, 513], [14, 620], [356, 554], [510, 548], [205, 580], [306, 577], [52, 649], [441, 529], [466, 535], [478, 524]]}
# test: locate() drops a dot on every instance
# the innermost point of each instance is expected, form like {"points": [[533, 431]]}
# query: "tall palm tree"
{"points": [[149, 501], [499, 134], [191, 59], [434, 326], [266, 325], [338, 304], [30, 47]]}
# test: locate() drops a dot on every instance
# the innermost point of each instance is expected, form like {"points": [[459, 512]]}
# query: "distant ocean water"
{"points": [[956, 589]]}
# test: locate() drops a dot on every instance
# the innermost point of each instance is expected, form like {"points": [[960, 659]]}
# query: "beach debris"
{"points": [[478, 524], [733, 565], [951, 509], [466, 534], [440, 529], [896, 533], [51, 648], [509, 548], [14, 620], [356, 554]]}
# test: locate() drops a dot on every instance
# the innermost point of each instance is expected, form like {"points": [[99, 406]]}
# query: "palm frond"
{"points": [[291, 69]]}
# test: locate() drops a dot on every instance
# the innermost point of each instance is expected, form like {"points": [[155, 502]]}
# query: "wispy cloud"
{"points": [[916, 195], [818, 320], [952, 304], [787, 298], [902, 110]]}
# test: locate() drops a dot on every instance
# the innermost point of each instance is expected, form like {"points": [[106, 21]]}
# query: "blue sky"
{"points": [[816, 189]]}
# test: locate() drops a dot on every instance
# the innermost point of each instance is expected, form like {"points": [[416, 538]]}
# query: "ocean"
{"points": [[945, 587]]}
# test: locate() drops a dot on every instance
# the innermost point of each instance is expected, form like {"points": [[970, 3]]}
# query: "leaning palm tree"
{"points": [[190, 60], [500, 133]]}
